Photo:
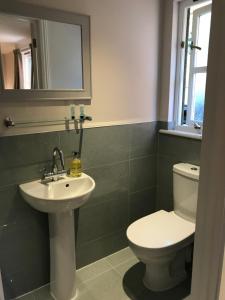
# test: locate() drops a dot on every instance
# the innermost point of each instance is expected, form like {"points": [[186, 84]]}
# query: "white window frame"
{"points": [[23, 53], [195, 70], [181, 36]]}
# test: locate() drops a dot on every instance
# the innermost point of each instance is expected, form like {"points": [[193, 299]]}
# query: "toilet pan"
{"points": [[161, 241]]}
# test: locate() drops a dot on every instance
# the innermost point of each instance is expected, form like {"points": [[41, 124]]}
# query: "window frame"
{"points": [[180, 67], [24, 53]]}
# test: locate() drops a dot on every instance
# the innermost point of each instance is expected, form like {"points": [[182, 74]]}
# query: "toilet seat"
{"points": [[160, 230]]}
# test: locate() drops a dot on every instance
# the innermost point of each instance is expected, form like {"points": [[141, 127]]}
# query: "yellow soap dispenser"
{"points": [[75, 166]]}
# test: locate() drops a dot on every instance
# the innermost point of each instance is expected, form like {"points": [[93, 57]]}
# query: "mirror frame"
{"points": [[40, 12]]}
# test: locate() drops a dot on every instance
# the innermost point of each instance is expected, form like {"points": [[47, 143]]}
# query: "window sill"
{"points": [[189, 135]]}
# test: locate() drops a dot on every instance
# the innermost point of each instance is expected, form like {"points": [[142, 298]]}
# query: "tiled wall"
{"points": [[171, 150], [121, 159]]}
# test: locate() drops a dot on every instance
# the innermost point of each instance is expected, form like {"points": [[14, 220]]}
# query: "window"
{"points": [[27, 68], [193, 43]]}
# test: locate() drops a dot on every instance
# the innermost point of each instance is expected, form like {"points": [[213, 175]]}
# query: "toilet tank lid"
{"points": [[188, 170]]}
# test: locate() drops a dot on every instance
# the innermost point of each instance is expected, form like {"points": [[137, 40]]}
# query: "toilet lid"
{"points": [[159, 230]]}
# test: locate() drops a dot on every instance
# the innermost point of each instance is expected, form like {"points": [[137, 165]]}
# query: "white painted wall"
{"points": [[168, 60], [125, 50]]}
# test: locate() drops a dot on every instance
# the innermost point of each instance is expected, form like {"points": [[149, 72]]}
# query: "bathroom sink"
{"points": [[59, 199], [66, 194]]}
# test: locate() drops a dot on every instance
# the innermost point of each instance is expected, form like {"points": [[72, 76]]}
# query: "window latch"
{"points": [[197, 126], [192, 46], [182, 44]]}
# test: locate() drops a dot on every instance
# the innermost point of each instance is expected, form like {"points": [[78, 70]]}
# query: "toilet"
{"points": [[163, 241]]}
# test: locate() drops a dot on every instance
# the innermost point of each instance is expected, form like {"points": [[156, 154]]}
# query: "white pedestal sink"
{"points": [[59, 199]]}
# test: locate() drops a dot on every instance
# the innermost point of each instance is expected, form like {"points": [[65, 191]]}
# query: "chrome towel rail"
{"points": [[10, 123]]}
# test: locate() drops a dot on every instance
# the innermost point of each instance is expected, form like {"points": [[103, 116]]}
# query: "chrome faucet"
{"points": [[55, 172], [55, 169]]}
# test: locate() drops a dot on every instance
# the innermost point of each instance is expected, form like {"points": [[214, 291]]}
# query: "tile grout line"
{"points": [[125, 261], [107, 262], [105, 259], [31, 292], [102, 237], [114, 268], [101, 259], [95, 277], [117, 252]]}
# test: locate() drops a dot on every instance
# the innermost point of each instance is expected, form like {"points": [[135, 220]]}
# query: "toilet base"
{"points": [[165, 272]]}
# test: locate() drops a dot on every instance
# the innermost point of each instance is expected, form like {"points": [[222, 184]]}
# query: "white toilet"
{"points": [[163, 240]]}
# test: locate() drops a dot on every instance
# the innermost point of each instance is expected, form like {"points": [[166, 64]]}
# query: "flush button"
{"points": [[194, 169]]}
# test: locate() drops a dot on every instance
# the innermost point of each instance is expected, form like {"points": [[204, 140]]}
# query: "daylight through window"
{"points": [[193, 44]]}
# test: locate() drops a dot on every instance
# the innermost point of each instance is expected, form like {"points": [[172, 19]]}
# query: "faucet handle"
{"points": [[44, 171]]}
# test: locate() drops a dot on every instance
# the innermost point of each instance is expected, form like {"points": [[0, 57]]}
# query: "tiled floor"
{"points": [[115, 277]]}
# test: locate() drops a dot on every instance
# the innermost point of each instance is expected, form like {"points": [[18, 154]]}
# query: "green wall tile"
{"points": [[143, 139], [142, 173], [172, 150], [114, 156], [105, 145], [142, 203]]}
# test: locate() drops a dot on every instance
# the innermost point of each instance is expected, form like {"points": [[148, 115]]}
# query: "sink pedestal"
{"points": [[59, 199], [62, 256]]}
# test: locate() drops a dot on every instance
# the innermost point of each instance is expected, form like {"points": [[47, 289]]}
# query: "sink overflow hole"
{"points": [[67, 185]]}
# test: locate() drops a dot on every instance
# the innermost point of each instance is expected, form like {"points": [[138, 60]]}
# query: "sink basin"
{"points": [[55, 197], [59, 199]]}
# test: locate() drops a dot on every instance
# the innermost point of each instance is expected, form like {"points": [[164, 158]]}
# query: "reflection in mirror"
{"points": [[61, 55], [15, 46], [40, 54]]}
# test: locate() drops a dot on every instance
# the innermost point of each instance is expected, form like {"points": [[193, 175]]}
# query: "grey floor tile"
{"points": [[122, 280], [124, 267], [43, 293], [29, 296], [120, 257], [85, 296], [92, 271], [177, 293], [135, 289], [106, 286]]}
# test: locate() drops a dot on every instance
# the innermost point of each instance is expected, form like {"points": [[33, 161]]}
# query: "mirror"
{"points": [[46, 54], [40, 54]]}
